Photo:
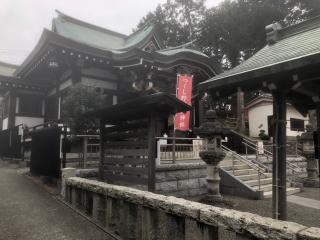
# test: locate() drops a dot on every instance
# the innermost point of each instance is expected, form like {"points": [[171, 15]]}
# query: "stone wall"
{"points": [[128, 213], [181, 180]]}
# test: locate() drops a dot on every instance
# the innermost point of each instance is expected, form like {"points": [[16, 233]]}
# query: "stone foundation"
{"points": [[181, 180]]}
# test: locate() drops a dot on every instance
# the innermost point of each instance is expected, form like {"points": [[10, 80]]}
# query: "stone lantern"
{"points": [[308, 151], [212, 131]]}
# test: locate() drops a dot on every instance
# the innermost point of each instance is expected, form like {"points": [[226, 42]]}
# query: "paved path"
{"points": [[307, 202], [27, 212]]}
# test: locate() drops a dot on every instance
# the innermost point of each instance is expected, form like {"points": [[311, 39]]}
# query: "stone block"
{"points": [[188, 184], [171, 186], [255, 226], [98, 209], [197, 173], [165, 176], [197, 191], [179, 194], [202, 182], [175, 227], [196, 230], [130, 221], [66, 173], [150, 224], [311, 233]]}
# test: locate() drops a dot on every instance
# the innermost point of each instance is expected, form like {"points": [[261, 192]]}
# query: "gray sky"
{"points": [[22, 21]]}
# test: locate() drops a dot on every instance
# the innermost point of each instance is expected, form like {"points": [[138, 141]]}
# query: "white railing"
{"points": [[173, 150]]}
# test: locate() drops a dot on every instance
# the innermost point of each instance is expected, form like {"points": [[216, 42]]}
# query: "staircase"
{"points": [[249, 176]]}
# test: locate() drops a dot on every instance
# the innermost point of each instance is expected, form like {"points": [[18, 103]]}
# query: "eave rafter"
{"points": [[18, 84]]}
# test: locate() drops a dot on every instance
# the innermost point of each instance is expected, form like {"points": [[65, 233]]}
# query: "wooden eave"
{"points": [[51, 41], [258, 79], [140, 108]]}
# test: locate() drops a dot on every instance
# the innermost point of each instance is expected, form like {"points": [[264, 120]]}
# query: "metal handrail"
{"points": [[246, 161], [269, 154]]}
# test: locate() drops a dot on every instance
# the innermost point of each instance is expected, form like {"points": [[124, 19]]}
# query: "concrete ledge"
{"points": [[242, 223], [87, 173]]}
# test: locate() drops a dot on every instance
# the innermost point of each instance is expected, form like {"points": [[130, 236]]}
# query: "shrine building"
{"points": [[121, 66]]}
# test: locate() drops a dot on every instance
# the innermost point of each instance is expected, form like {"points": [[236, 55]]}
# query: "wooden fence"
{"points": [[125, 155]]}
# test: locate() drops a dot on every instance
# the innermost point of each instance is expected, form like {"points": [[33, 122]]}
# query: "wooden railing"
{"points": [[174, 150]]}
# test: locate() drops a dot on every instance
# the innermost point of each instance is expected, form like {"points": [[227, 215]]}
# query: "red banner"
{"points": [[184, 93]]}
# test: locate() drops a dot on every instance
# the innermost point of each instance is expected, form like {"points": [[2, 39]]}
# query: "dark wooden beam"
{"points": [[102, 148], [11, 109], [279, 168], [318, 133], [310, 90]]}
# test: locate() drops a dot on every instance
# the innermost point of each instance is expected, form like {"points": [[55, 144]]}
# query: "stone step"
{"points": [[263, 181], [290, 191], [230, 163], [267, 187], [236, 167], [253, 176], [242, 172], [264, 188]]}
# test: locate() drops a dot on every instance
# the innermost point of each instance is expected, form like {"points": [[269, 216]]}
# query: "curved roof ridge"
{"points": [[185, 45], [138, 36], [299, 27], [8, 64], [89, 25], [140, 30]]}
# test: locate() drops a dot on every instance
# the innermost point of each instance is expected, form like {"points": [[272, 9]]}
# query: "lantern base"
{"points": [[314, 183]]}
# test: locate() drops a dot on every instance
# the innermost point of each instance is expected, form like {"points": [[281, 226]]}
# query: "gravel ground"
{"points": [[313, 193], [29, 212], [296, 213]]}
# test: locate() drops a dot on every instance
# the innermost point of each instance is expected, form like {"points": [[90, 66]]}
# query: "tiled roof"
{"points": [[7, 69], [96, 36], [298, 41]]}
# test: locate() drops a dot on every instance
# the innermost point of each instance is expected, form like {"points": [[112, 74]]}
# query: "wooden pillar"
{"points": [[85, 151], [201, 112], [279, 169], [156, 125], [240, 111], [11, 109], [102, 139], [318, 133], [152, 151], [76, 72]]}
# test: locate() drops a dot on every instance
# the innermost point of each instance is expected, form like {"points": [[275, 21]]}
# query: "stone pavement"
{"points": [[307, 202], [29, 212]]}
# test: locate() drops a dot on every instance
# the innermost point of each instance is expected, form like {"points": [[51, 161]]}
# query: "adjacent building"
{"points": [[260, 113]]}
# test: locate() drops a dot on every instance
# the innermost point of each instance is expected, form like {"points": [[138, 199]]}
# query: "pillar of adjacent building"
{"points": [[317, 145], [240, 111], [308, 149], [279, 173]]}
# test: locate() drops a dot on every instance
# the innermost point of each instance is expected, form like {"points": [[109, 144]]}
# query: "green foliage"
{"points": [[78, 100], [232, 31], [178, 21]]}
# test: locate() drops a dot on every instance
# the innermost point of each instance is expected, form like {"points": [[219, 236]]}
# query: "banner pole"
{"points": [[174, 128]]}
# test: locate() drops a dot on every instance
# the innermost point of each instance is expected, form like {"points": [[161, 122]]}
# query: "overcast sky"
{"points": [[22, 21]]}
